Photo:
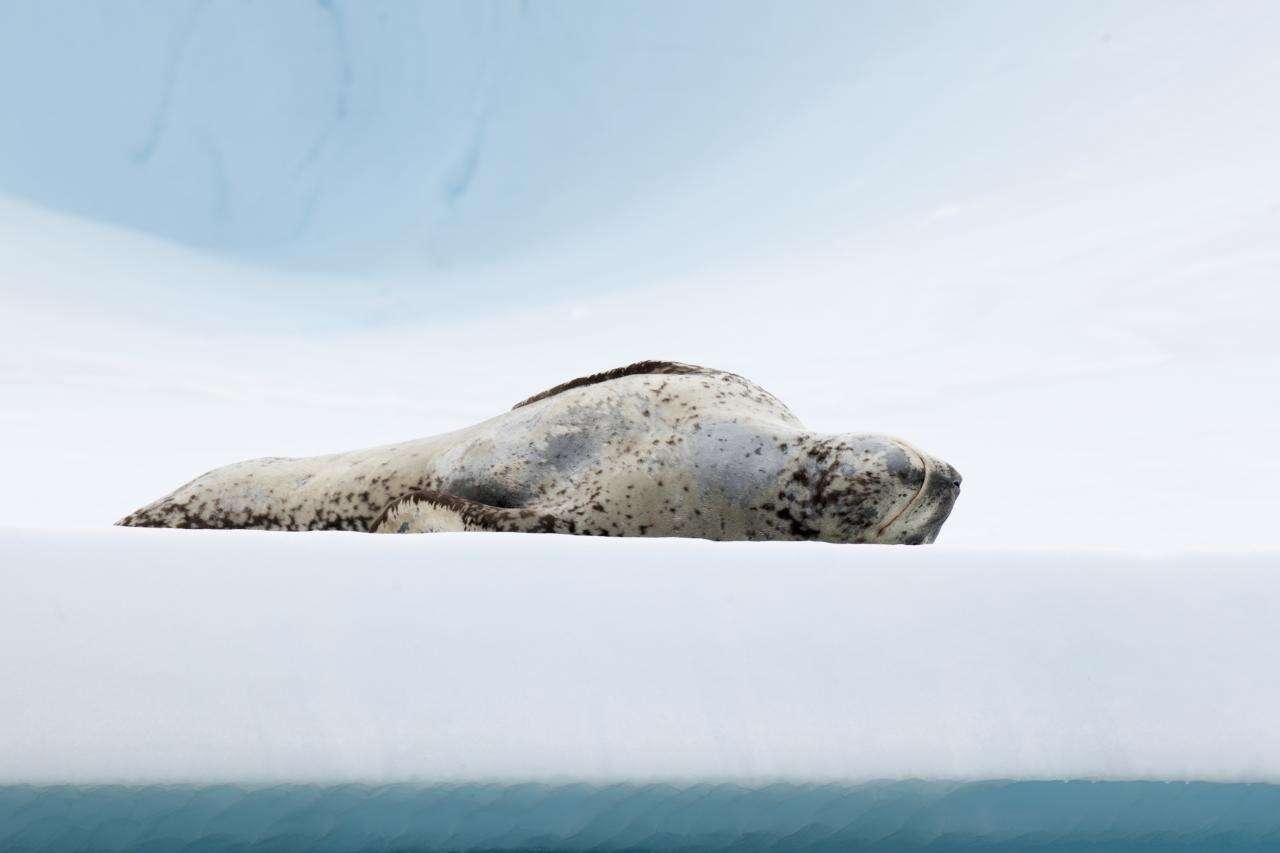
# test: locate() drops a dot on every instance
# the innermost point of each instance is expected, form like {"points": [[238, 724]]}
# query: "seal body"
{"points": [[653, 449]]}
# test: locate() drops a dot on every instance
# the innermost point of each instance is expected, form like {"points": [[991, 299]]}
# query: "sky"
{"points": [[1038, 240]]}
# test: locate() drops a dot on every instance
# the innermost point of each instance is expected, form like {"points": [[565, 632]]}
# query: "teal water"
{"points": [[879, 816]]}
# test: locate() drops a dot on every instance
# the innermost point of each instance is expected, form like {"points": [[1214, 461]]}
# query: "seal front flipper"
{"points": [[440, 512]]}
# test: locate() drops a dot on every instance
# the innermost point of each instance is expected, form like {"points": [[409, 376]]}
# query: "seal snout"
{"points": [[937, 499], [936, 487], [942, 486]]}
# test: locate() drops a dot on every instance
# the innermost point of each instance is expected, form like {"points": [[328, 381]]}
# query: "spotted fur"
{"points": [[652, 449]]}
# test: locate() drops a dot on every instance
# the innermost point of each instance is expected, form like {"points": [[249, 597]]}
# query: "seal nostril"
{"points": [[955, 484]]}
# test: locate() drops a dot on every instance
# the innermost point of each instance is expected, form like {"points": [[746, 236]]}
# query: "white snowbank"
{"points": [[143, 656]]}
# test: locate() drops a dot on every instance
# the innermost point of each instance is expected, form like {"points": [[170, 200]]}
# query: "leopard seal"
{"points": [[656, 448]]}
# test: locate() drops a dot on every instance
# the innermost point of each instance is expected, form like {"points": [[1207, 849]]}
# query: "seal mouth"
{"points": [[915, 499]]}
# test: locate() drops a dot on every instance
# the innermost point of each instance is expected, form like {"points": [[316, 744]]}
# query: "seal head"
{"points": [[863, 488]]}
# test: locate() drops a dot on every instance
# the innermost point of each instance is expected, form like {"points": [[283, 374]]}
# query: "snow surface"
{"points": [[151, 656]]}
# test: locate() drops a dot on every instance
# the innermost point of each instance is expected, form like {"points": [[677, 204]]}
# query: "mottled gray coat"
{"points": [[653, 449]]}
